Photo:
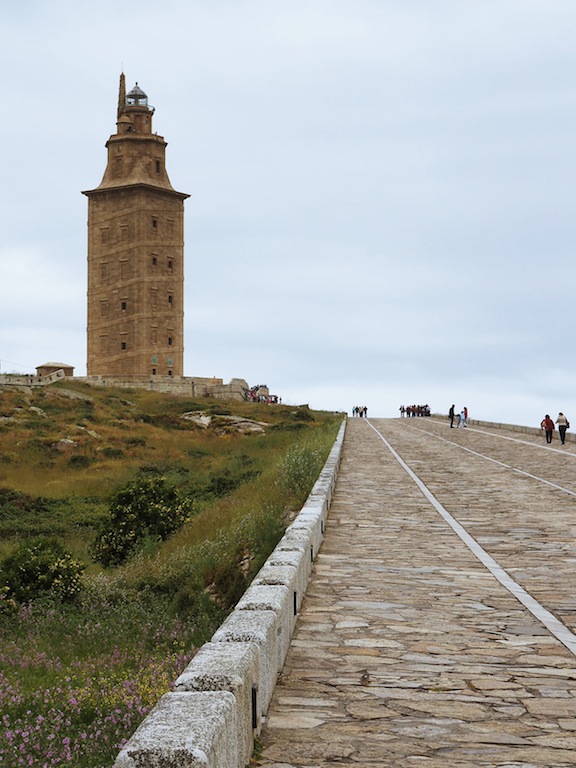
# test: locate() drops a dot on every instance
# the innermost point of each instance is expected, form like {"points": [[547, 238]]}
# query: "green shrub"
{"points": [[39, 567], [143, 508], [15, 503], [299, 470], [197, 453], [303, 414], [136, 441], [226, 582], [226, 481], [150, 469], [7, 603], [112, 453], [79, 461]]}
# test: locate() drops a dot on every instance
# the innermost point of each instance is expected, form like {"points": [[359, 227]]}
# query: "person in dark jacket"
{"points": [[548, 426]]}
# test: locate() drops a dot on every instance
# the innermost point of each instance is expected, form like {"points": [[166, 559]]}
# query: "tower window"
{"points": [[158, 166], [169, 373], [170, 299], [169, 341], [123, 306], [154, 224], [153, 371], [170, 265], [103, 309], [123, 344], [154, 260]]}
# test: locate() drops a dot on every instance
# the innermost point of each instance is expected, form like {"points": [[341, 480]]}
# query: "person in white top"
{"points": [[563, 425]]}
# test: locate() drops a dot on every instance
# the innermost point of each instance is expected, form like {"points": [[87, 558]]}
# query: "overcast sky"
{"points": [[382, 191]]}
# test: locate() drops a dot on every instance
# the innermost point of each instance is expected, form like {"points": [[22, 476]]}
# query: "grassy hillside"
{"points": [[65, 448], [80, 675]]}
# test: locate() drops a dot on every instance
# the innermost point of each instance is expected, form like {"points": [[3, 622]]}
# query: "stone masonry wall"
{"points": [[192, 386]]}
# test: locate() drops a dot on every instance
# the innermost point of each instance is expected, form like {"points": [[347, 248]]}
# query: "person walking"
{"points": [[563, 425], [548, 426], [462, 422], [451, 416]]}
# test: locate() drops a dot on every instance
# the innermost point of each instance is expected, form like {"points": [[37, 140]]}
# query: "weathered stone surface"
{"points": [[64, 444], [224, 424], [185, 730], [233, 667]]}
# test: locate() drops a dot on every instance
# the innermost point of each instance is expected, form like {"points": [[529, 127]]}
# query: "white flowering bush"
{"points": [[143, 509], [40, 567]]}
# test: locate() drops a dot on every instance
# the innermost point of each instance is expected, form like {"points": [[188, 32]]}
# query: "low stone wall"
{"points": [[188, 386], [220, 700], [28, 380]]}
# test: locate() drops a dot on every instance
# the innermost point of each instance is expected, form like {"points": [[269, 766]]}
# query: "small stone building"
{"points": [[48, 368]]}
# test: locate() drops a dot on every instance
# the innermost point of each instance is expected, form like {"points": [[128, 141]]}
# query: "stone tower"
{"points": [[135, 253]]}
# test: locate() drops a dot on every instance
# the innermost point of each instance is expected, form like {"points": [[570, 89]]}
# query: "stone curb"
{"points": [[185, 730]]}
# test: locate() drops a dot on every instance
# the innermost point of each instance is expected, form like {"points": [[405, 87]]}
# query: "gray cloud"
{"points": [[381, 192]]}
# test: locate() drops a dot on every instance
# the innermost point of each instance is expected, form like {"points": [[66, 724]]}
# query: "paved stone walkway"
{"points": [[408, 652]]}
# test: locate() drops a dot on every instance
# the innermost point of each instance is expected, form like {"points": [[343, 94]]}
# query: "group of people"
{"points": [[360, 410], [259, 394], [414, 410], [462, 417], [548, 426]]}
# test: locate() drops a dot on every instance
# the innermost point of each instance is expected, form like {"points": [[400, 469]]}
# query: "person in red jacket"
{"points": [[548, 426]]}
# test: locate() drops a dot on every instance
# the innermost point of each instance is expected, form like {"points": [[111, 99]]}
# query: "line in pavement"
{"points": [[556, 627], [500, 463], [524, 442]]}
